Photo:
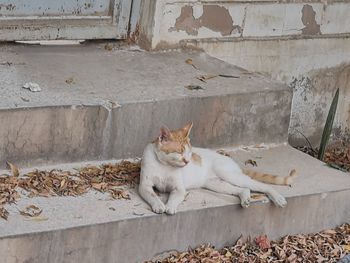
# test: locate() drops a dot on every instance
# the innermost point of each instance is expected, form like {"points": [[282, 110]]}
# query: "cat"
{"points": [[170, 164]]}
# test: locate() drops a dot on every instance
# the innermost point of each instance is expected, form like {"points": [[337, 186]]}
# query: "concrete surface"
{"points": [[115, 102], [297, 41], [85, 229], [314, 68]]}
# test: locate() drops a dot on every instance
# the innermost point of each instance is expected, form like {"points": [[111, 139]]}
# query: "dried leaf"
{"points": [[327, 246], [4, 213], [251, 162], [346, 248], [70, 80], [203, 78], [99, 186], [13, 168], [292, 258], [337, 155], [31, 211], [190, 62], [263, 242], [223, 152], [228, 76], [109, 46], [119, 194], [194, 87]]}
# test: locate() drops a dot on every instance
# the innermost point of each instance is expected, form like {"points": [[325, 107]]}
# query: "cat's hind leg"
{"points": [[244, 181], [236, 177], [220, 186]]}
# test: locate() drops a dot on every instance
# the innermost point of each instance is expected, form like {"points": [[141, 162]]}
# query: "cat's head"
{"points": [[173, 147]]}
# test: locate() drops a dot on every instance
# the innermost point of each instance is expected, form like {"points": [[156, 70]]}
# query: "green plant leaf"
{"points": [[327, 130]]}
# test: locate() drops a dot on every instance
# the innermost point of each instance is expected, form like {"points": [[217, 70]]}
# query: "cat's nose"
{"points": [[185, 161]]}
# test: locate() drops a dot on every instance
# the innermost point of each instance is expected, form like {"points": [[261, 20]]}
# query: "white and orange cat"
{"points": [[170, 164]]}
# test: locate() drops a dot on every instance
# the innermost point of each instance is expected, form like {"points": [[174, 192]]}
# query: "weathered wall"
{"points": [[177, 20], [305, 43], [314, 68]]}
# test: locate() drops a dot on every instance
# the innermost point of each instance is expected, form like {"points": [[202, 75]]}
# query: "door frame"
{"points": [[114, 26]]}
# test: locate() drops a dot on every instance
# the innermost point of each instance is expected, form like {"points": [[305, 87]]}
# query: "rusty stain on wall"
{"points": [[214, 17], [309, 20]]}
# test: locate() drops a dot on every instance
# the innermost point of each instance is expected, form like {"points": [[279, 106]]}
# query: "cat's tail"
{"points": [[271, 179]]}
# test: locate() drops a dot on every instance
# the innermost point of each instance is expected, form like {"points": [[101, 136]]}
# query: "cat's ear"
{"points": [[187, 129], [164, 134]]}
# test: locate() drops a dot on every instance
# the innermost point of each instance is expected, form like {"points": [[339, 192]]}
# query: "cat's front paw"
{"points": [[158, 208], [170, 210]]}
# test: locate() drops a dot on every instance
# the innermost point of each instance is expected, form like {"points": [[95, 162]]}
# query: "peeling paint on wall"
{"points": [[309, 20], [186, 22], [217, 18], [214, 17]]}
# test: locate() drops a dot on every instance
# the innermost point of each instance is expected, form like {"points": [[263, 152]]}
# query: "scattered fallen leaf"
{"points": [[292, 258], [13, 168], [31, 210], [4, 213], [346, 248], [337, 155], [111, 208], [119, 194], [190, 62], [105, 178], [262, 242], [228, 76], [109, 46], [70, 80], [223, 152], [194, 87], [251, 162], [203, 78], [326, 246]]}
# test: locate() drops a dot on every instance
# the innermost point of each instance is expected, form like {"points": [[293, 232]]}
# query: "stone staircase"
{"points": [[98, 105]]}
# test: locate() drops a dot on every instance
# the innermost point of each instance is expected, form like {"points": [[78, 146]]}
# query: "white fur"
{"points": [[218, 173]]}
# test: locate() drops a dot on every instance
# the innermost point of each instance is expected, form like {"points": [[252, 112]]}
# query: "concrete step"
{"points": [[97, 104], [85, 229]]}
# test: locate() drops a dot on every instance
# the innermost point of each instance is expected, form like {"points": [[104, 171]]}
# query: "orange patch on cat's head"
{"points": [[174, 141]]}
